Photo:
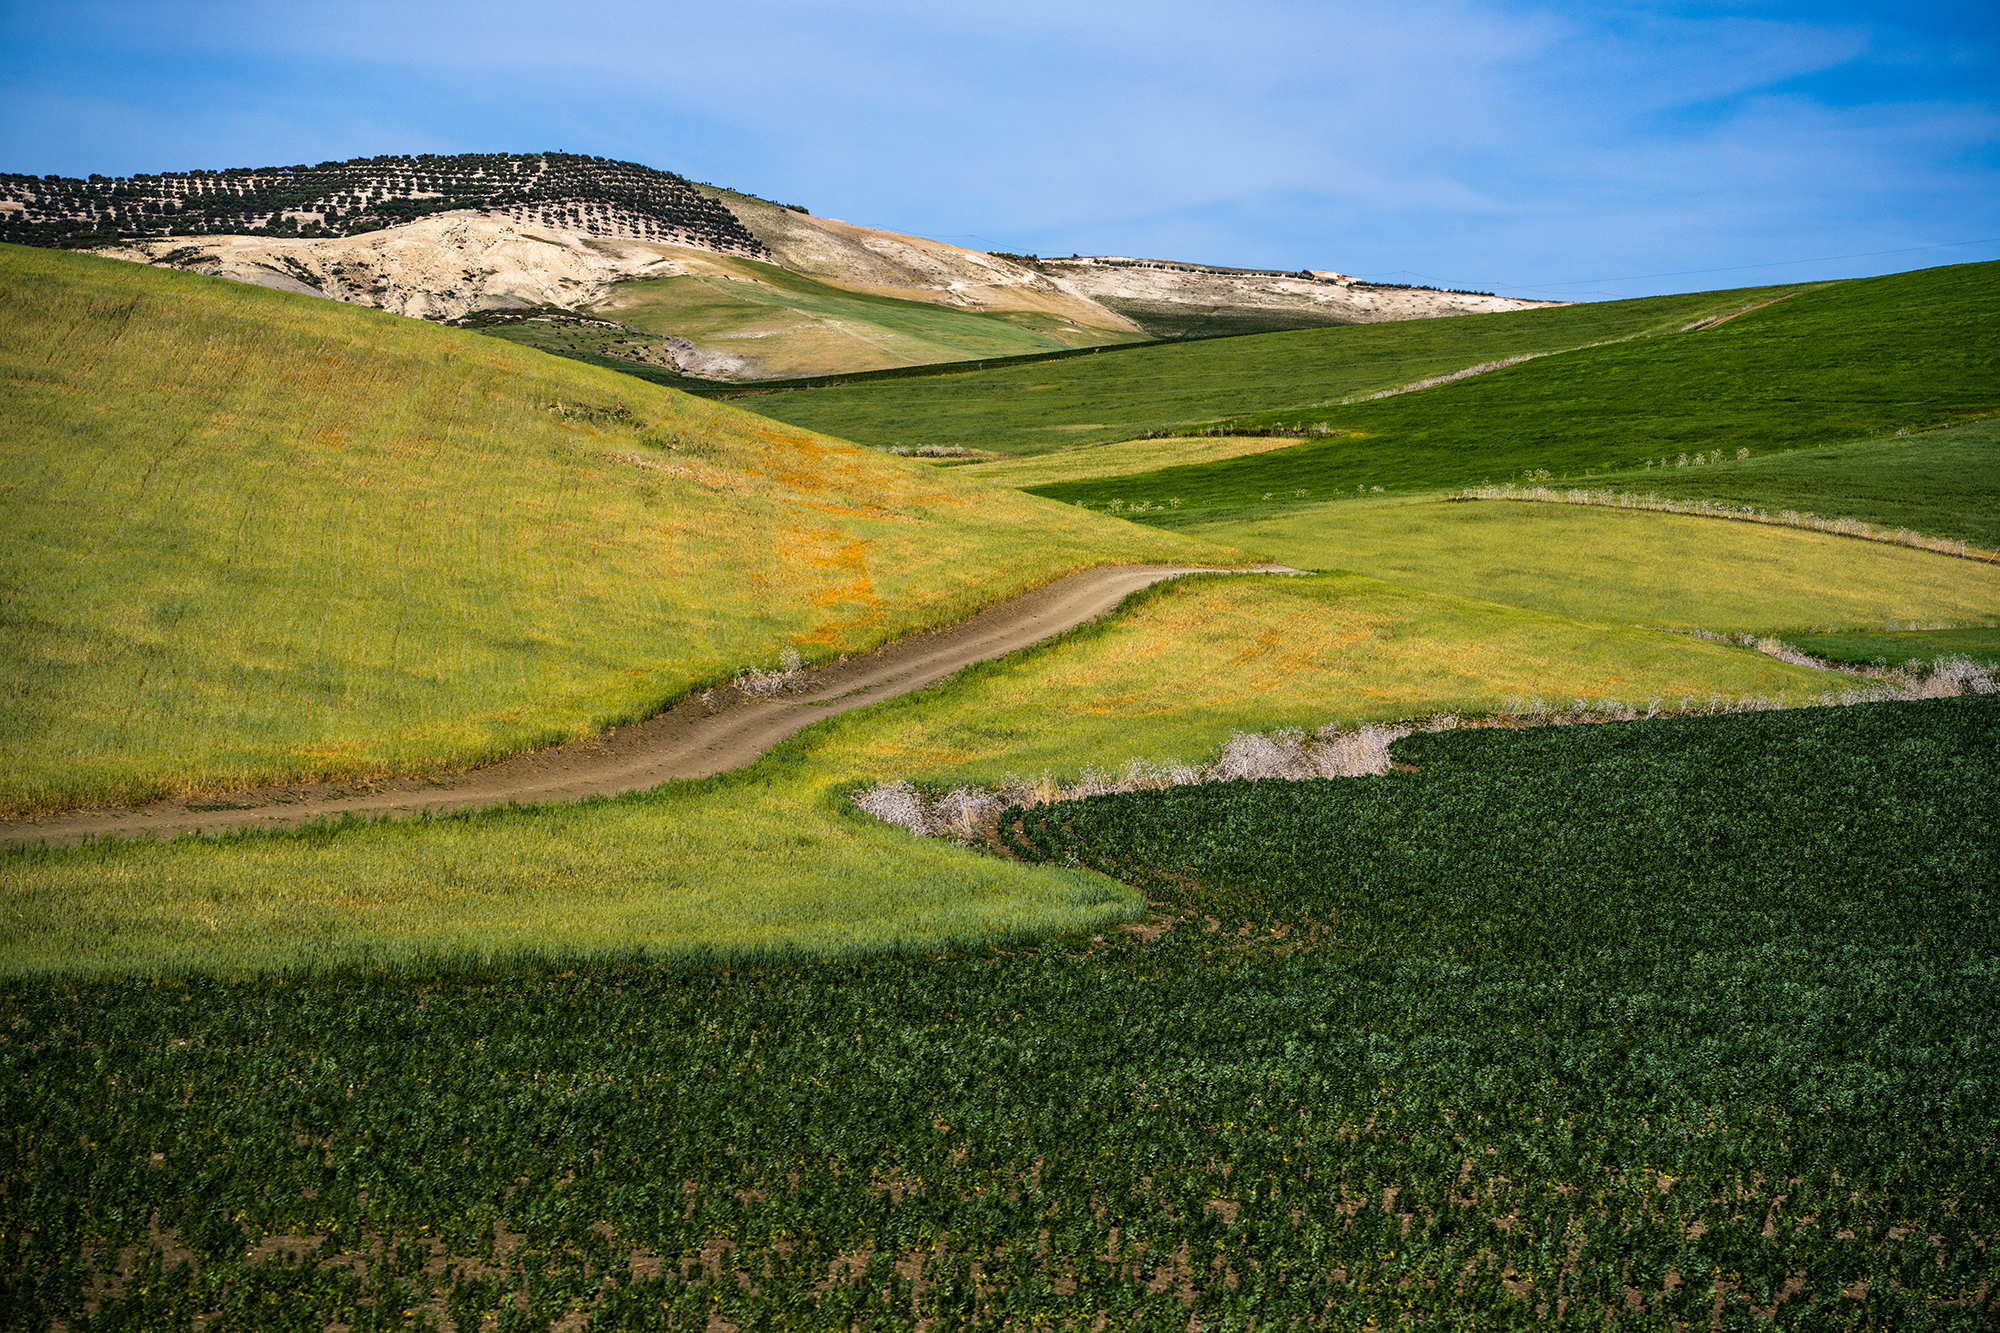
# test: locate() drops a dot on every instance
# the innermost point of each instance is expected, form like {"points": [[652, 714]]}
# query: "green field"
{"points": [[1117, 459], [1838, 363], [1670, 1024], [1943, 483], [1903, 648], [1098, 399], [774, 857], [1183, 319], [260, 537]]}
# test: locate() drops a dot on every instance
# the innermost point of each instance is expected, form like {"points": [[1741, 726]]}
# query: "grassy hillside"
{"points": [[1841, 362], [1117, 459], [782, 325], [1038, 408], [585, 338], [261, 537]]}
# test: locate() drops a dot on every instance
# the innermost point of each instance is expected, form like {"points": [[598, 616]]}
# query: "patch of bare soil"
{"points": [[707, 734]]}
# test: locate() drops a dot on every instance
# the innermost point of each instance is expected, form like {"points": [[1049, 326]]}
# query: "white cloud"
{"points": [[1487, 139]]}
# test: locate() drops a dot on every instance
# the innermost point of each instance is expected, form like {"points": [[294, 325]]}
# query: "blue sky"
{"points": [[1555, 150]]}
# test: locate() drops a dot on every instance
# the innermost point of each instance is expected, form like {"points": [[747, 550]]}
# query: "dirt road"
{"points": [[703, 736]]}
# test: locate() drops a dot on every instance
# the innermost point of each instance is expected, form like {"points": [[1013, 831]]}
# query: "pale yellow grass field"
{"points": [[1202, 657], [1626, 567], [1117, 460]]}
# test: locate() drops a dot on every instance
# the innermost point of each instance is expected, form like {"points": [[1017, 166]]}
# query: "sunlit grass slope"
{"points": [[775, 858], [792, 325], [253, 536], [1841, 362], [1093, 399], [1625, 567]]}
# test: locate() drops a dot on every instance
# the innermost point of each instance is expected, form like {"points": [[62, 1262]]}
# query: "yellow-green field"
{"points": [[774, 858], [1624, 567], [1116, 460], [257, 537]]}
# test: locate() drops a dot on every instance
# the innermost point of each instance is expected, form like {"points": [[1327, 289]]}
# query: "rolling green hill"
{"points": [[252, 536], [1842, 362], [1087, 400]]}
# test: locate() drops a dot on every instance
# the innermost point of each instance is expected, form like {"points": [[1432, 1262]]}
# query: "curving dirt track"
{"points": [[702, 736]]}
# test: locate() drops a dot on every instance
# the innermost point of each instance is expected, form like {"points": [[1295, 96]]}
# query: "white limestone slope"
{"points": [[439, 267]]}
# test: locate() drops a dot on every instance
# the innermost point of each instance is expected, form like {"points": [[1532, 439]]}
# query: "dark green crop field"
{"points": [[1844, 362], [1035, 408], [1678, 1022]]}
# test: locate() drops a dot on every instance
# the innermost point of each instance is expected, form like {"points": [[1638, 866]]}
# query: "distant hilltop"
{"points": [[573, 192]]}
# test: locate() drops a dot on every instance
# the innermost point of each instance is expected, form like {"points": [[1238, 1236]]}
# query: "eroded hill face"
{"points": [[440, 268], [696, 281], [1148, 297]]}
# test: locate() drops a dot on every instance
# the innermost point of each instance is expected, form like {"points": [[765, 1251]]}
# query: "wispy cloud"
{"points": [[1474, 143]]}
